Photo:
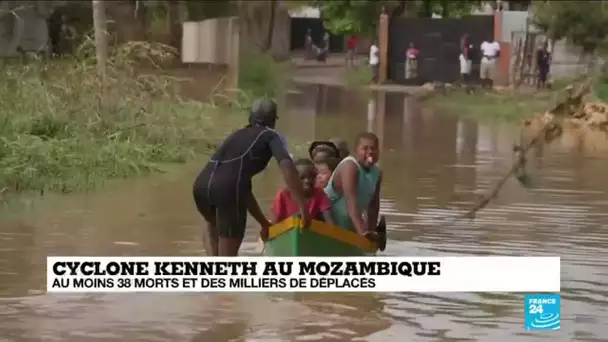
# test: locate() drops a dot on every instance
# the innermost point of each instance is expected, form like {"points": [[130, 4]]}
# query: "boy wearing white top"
{"points": [[374, 60], [490, 51]]}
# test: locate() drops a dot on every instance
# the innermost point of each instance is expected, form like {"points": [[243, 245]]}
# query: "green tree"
{"points": [[583, 23], [361, 16], [343, 17]]}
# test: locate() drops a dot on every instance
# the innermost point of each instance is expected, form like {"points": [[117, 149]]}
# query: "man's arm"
{"points": [[325, 207], [278, 208], [278, 146], [256, 212]]}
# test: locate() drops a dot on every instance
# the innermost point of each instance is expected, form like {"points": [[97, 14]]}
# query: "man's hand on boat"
{"points": [[264, 230]]}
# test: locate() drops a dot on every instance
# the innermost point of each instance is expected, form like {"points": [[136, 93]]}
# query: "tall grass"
{"points": [[509, 106], [261, 76], [359, 76], [62, 129]]}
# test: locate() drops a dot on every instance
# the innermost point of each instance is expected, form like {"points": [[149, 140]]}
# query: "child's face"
{"points": [[323, 175], [367, 152], [308, 175]]}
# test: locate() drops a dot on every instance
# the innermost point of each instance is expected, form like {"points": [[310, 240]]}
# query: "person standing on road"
{"points": [[411, 62], [374, 60], [487, 72], [223, 189], [465, 59], [309, 46], [543, 63], [351, 50]]}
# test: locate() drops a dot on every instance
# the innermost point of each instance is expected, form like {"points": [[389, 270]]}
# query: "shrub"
{"points": [[63, 129]]}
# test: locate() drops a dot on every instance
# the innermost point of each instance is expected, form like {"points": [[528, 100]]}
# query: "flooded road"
{"points": [[434, 165]]}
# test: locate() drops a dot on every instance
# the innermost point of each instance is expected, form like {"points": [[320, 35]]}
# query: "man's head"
{"points": [[367, 149], [263, 113]]}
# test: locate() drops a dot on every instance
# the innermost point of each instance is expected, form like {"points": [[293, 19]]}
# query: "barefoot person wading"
{"points": [[222, 191]]}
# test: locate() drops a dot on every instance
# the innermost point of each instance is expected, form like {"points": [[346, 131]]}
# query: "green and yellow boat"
{"points": [[287, 238]]}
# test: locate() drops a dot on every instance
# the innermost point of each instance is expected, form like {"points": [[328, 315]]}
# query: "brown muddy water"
{"points": [[434, 165]]}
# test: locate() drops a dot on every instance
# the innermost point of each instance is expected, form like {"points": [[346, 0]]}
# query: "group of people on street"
{"points": [[317, 52], [490, 52], [334, 185], [487, 53]]}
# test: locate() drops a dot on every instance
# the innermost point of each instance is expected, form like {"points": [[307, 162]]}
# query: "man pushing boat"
{"points": [[223, 189]]}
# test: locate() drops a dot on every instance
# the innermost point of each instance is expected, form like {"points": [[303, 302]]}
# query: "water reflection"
{"points": [[433, 164]]}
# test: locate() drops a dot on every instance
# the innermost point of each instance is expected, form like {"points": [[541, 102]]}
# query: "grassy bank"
{"points": [[62, 129], [504, 105], [358, 77]]}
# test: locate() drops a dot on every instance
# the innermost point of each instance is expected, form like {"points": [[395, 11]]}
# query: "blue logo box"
{"points": [[542, 311]]}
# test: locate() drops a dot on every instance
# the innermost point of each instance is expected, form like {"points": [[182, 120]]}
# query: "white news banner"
{"points": [[302, 274]]}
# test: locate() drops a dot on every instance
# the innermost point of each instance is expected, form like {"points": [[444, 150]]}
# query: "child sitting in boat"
{"points": [[321, 150], [342, 147], [319, 206], [354, 189], [324, 170]]}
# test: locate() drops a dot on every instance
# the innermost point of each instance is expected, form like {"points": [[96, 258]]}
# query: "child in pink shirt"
{"points": [[318, 204]]}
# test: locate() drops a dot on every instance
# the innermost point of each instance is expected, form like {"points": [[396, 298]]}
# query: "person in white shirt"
{"points": [[374, 60], [490, 51]]}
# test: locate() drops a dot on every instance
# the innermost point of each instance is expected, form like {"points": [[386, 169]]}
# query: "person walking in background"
{"points": [[323, 50], [374, 60], [490, 52], [465, 59], [411, 62], [543, 63], [351, 50], [309, 48]]}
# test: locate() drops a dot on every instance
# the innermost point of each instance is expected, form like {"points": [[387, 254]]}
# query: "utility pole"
{"points": [[101, 37]]}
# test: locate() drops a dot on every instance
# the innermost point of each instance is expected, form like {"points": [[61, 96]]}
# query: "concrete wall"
{"points": [[213, 42], [513, 21], [208, 41]]}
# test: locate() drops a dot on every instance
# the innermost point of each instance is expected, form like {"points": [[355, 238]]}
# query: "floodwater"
{"points": [[434, 165]]}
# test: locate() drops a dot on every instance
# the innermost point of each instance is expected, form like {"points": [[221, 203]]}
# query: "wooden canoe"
{"points": [[287, 238]]}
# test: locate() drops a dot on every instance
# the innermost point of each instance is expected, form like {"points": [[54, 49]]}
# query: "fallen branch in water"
{"points": [[551, 130]]}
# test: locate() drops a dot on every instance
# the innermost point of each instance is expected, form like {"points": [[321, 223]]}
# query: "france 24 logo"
{"points": [[542, 312]]}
